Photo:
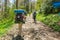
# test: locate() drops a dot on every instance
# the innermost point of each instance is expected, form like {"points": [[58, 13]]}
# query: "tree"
{"points": [[16, 4], [5, 10], [46, 6], [26, 4]]}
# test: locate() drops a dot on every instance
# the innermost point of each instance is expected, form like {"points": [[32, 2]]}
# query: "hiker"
{"points": [[34, 16], [20, 19]]}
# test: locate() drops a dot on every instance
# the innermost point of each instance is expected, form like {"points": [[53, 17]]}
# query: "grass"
{"points": [[51, 20], [5, 25]]}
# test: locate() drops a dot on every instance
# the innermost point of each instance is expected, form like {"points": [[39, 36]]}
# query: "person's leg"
{"points": [[20, 29], [34, 19], [19, 36]]}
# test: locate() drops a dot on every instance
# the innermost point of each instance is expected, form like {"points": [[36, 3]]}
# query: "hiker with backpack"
{"points": [[34, 16], [20, 17]]}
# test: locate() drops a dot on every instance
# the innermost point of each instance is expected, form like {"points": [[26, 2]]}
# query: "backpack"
{"points": [[19, 18], [34, 14]]}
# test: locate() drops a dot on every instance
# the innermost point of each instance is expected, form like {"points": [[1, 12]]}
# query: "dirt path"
{"points": [[32, 31]]}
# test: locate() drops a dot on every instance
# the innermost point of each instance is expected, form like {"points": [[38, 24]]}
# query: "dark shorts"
{"points": [[19, 21]]}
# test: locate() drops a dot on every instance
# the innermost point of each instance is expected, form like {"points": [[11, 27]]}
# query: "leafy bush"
{"points": [[51, 20], [5, 23]]}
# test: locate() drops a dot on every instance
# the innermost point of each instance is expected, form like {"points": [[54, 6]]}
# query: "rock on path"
{"points": [[32, 31]]}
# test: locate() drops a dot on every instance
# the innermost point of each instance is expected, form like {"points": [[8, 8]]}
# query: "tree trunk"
{"points": [[16, 4], [5, 11]]}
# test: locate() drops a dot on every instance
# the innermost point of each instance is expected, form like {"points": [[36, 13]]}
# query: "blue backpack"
{"points": [[19, 16], [56, 4]]}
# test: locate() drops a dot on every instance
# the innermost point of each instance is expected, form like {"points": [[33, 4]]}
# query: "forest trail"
{"points": [[32, 31]]}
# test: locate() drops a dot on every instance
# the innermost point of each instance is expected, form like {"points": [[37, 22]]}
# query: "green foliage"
{"points": [[51, 20], [5, 25], [38, 4], [46, 5]]}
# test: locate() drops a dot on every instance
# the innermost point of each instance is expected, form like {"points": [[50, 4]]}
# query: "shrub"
{"points": [[51, 20]]}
